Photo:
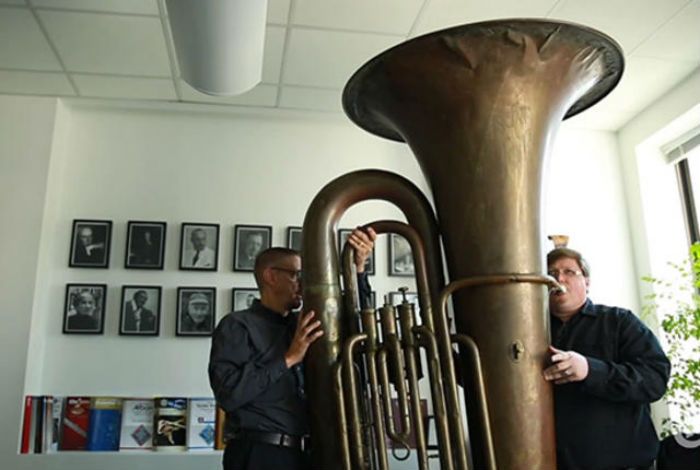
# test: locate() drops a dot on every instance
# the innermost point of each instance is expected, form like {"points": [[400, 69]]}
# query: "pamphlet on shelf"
{"points": [[137, 424], [105, 423], [75, 423], [201, 424], [170, 424]]}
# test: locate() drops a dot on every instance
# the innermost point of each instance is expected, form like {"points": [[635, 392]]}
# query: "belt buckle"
{"points": [[285, 440]]}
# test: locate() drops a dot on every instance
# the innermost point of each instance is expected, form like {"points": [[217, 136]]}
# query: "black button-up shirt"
{"points": [[249, 376], [603, 422]]}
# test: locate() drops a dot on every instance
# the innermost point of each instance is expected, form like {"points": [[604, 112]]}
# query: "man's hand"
{"points": [[567, 366], [306, 333], [362, 240]]}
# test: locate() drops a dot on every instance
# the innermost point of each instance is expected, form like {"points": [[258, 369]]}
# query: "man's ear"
{"points": [[268, 276], [588, 284]]}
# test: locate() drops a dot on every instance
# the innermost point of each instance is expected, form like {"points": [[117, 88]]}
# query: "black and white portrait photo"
{"points": [[249, 241], [199, 247], [243, 298], [400, 256], [145, 245], [196, 309], [294, 238], [90, 241], [84, 308], [343, 235], [140, 312]]}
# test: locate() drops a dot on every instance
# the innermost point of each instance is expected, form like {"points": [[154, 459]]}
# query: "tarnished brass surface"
{"points": [[479, 105]]}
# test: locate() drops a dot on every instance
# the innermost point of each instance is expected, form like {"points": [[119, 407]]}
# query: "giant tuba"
{"points": [[479, 105]]}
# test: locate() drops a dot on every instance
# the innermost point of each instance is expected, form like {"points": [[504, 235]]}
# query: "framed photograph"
{"points": [[145, 245], [243, 297], [294, 238], [400, 256], [90, 242], [84, 309], [343, 235], [249, 240], [196, 309], [199, 247], [140, 312]]}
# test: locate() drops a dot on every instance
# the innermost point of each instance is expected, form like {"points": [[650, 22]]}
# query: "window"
{"points": [[685, 154]]}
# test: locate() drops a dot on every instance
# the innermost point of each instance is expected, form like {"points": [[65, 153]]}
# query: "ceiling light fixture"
{"points": [[219, 43]]}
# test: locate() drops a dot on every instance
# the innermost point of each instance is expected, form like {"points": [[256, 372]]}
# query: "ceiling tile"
{"points": [[441, 14], [678, 39], [274, 48], [644, 81], [629, 24], [261, 95], [101, 86], [22, 44], [120, 45], [329, 58], [144, 7], [311, 98], [277, 11], [387, 16], [35, 83], [596, 119]]}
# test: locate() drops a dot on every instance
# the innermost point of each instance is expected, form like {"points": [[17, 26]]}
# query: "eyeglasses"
{"points": [[567, 273], [296, 274]]}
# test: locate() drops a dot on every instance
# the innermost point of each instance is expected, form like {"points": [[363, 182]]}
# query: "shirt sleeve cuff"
{"points": [[597, 375], [277, 369]]}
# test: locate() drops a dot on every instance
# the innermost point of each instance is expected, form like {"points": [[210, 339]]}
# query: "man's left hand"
{"points": [[362, 240], [567, 366]]}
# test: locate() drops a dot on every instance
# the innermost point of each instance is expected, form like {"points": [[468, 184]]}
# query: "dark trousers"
{"points": [[243, 454]]}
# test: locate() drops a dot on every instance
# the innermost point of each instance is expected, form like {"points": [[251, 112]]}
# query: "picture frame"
{"points": [[242, 298], [140, 310], [199, 247], [343, 235], [196, 311], [84, 309], [400, 257], [249, 240], [90, 243], [294, 238], [145, 245]]}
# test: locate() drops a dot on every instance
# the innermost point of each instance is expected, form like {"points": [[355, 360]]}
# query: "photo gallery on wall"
{"points": [[195, 316]]}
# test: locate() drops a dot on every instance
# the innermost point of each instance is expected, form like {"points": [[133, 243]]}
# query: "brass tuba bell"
{"points": [[479, 105]]}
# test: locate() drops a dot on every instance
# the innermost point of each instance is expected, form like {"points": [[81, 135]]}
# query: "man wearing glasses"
{"points": [[255, 365], [607, 367]]}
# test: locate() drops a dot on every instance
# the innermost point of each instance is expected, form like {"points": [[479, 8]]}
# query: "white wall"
{"points": [[26, 129], [585, 200], [182, 163], [651, 187]]}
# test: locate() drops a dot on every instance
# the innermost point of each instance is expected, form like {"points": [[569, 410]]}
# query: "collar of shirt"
{"points": [[588, 308], [270, 315]]}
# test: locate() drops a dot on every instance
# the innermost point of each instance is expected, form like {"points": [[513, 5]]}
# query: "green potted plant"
{"points": [[676, 304]]}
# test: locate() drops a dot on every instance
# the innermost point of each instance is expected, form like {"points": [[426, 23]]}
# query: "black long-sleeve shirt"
{"points": [[249, 376], [604, 421]]}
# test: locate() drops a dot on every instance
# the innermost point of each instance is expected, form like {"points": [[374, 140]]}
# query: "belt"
{"points": [[273, 438]]}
